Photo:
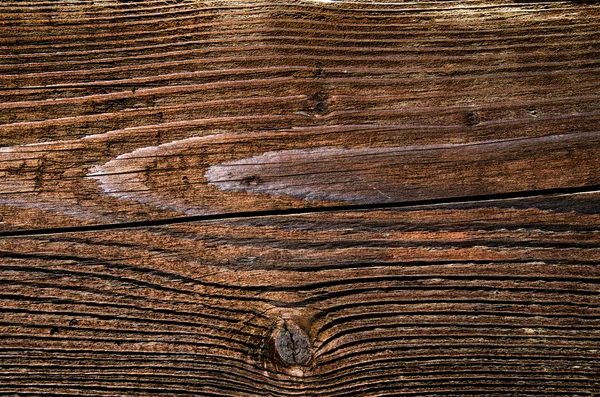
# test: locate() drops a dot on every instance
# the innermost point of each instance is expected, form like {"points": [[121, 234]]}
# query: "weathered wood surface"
{"points": [[481, 299], [115, 111], [173, 177]]}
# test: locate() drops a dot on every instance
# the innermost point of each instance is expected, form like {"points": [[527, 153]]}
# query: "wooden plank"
{"points": [[482, 298], [299, 198], [86, 89]]}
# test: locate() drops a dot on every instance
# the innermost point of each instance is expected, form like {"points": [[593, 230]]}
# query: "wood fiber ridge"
{"points": [[299, 198]]}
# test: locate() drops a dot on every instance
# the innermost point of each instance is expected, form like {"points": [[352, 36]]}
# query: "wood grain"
{"points": [[299, 198], [187, 86], [463, 299]]}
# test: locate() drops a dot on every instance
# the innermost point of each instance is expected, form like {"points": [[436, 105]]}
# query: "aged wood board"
{"points": [[299, 198]]}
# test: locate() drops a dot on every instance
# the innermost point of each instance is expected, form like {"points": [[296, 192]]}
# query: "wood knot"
{"points": [[292, 344], [252, 180], [321, 107], [473, 118], [320, 98]]}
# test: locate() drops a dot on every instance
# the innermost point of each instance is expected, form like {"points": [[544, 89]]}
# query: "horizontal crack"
{"points": [[301, 211]]}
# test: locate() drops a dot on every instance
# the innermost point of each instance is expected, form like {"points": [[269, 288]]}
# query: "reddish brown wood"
{"points": [[198, 84], [150, 150], [484, 298]]}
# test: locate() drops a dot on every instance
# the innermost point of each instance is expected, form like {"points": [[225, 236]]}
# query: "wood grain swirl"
{"points": [[454, 299], [299, 198], [83, 85]]}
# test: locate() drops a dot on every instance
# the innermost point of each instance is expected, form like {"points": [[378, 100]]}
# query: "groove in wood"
{"points": [[477, 119], [85, 86]]}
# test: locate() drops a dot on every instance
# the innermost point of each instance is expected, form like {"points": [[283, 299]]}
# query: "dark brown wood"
{"points": [[299, 198], [159, 93], [484, 298]]}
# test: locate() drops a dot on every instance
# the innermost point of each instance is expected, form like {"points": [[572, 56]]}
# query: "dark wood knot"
{"points": [[321, 107], [473, 118], [292, 344]]}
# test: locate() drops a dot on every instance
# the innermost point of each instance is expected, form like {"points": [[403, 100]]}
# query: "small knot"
{"points": [[321, 107], [292, 344], [473, 118], [320, 98], [251, 180]]}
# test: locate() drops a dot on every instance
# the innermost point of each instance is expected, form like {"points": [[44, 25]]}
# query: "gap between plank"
{"points": [[302, 211]]}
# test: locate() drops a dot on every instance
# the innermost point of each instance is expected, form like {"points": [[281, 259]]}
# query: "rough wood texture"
{"points": [[452, 300], [299, 198], [115, 111]]}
